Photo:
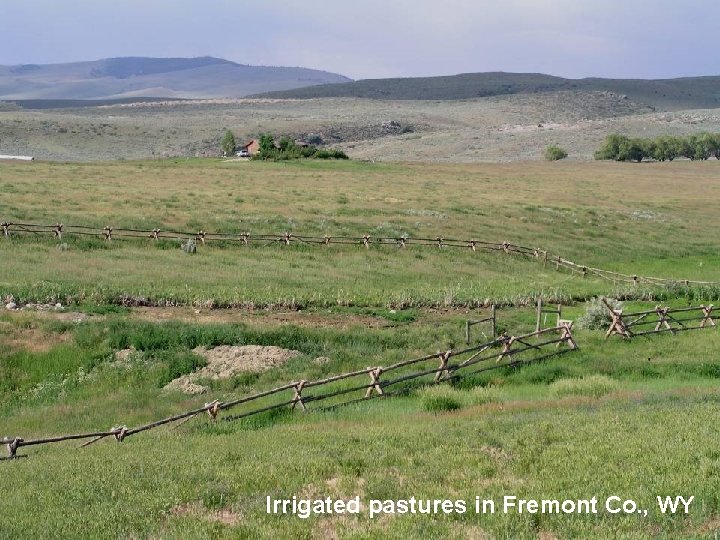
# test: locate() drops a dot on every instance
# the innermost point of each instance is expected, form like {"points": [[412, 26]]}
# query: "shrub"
{"points": [[610, 148], [595, 386], [440, 398], [555, 153], [228, 143], [597, 316], [446, 398], [701, 146], [480, 395], [331, 153]]}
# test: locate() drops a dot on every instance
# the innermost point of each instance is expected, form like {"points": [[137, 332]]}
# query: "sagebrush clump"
{"points": [[555, 153], [597, 315]]}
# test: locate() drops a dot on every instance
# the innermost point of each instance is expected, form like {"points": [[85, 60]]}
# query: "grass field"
{"points": [[650, 219], [634, 419]]}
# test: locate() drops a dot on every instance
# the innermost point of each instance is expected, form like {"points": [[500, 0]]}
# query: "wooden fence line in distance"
{"points": [[663, 319], [110, 233], [448, 365]]}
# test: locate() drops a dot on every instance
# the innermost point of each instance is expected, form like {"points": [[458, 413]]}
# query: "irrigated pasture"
{"points": [[633, 418], [648, 219]]}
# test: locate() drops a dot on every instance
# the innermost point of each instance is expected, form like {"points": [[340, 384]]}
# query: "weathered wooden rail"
{"points": [[658, 320], [203, 237], [371, 382]]}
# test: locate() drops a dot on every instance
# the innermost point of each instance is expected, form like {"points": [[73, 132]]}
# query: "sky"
{"points": [[379, 38]]}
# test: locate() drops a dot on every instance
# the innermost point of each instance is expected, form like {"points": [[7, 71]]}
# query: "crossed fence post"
{"points": [[618, 325]]}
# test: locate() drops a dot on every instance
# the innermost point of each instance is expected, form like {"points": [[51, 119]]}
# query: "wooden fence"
{"points": [[202, 237], [660, 319], [371, 382]]}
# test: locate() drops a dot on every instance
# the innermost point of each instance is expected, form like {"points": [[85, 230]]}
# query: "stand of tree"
{"points": [[701, 146], [286, 148]]}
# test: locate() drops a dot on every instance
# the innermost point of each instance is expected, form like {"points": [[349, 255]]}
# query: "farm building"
{"points": [[251, 147]]}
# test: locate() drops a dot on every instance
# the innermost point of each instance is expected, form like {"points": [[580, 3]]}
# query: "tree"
{"points": [[631, 150], [267, 148], [610, 148], [666, 148], [555, 153], [704, 146], [228, 143], [715, 145]]}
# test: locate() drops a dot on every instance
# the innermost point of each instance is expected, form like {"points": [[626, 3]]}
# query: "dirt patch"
{"points": [[303, 319], [29, 339], [226, 361]]}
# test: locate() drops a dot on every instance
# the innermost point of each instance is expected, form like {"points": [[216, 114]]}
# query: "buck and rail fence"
{"points": [[352, 387], [658, 320], [202, 237]]}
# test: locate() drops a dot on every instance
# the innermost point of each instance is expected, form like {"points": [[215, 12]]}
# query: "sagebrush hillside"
{"points": [[204, 77], [670, 94]]}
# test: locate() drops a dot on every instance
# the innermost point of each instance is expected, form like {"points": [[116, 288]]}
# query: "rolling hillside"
{"points": [[668, 94], [115, 78]]}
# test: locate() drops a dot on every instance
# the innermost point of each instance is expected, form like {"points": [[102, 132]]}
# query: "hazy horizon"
{"points": [[619, 39]]}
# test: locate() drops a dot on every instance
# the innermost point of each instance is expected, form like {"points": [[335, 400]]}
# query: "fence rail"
{"points": [[663, 319], [110, 233], [428, 369]]}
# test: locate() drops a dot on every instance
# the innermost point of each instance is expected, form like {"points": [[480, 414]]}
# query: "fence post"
{"points": [[374, 381], [213, 408], [618, 325], [443, 369], [707, 316], [12, 446], [662, 313], [298, 395], [539, 314], [567, 336], [507, 344], [467, 331], [493, 325]]}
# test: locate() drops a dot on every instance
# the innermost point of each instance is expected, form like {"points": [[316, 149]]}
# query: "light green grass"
{"points": [[514, 438], [630, 418], [644, 220]]}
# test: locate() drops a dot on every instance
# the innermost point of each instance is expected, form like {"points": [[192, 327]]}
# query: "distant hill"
{"points": [[118, 78], [672, 94]]}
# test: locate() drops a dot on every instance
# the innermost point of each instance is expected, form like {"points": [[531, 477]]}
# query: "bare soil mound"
{"points": [[226, 361]]}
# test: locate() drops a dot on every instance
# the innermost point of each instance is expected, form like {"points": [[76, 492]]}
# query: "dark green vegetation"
{"points": [[689, 92], [664, 148], [555, 153], [228, 143], [286, 148]]}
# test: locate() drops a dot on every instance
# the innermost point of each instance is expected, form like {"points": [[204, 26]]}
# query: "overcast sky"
{"points": [[379, 38]]}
